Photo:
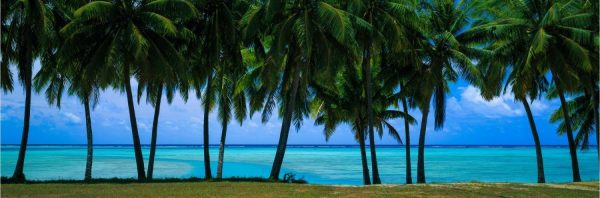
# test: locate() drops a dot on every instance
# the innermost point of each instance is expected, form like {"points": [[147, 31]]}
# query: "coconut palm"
{"points": [[60, 68], [134, 38], [217, 66], [25, 25], [170, 77], [346, 104], [306, 36], [554, 35], [448, 49], [168, 73], [388, 20]]}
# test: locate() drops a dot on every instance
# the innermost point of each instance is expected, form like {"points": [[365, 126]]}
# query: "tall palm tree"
{"points": [[167, 73], [346, 104], [554, 35], [448, 48], [217, 65], [24, 34], [134, 37], [306, 36], [388, 19], [530, 84], [60, 68], [170, 76]]}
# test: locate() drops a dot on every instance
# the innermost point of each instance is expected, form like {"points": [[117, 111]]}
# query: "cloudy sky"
{"points": [[470, 121]]}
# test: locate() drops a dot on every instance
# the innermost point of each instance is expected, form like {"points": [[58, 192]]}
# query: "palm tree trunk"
{"points": [[137, 148], [154, 133], [363, 157], [594, 100], [567, 119], [407, 143], [221, 151], [90, 150], [366, 65], [536, 140], [285, 126], [207, 172], [18, 175], [421, 156]]}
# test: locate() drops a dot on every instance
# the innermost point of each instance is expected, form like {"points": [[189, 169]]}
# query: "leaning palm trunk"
{"points": [[572, 147], [18, 174], [536, 140], [369, 89], [407, 143], [421, 156], [207, 172], [363, 157], [285, 126], [137, 148], [221, 151], [90, 150], [154, 134]]}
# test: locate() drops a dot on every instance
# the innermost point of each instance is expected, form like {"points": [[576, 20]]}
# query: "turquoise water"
{"points": [[316, 164]]}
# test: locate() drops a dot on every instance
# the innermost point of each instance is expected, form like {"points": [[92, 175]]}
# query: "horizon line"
{"points": [[51, 144]]}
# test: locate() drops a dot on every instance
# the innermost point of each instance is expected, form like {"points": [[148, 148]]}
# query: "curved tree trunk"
{"points": [[285, 126], [407, 143], [536, 139], [137, 147], [18, 175], [567, 119], [363, 156], [207, 172], [90, 143], [421, 156], [221, 151], [154, 133], [366, 65]]}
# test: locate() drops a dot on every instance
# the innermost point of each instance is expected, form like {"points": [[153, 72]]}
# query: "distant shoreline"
{"points": [[306, 145]]}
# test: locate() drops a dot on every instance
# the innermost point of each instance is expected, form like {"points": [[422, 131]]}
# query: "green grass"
{"points": [[266, 189]]}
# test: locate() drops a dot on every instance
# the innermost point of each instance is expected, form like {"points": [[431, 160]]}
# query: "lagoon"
{"points": [[318, 164]]}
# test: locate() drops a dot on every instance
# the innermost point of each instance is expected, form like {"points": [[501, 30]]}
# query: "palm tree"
{"points": [[24, 35], [447, 48], [217, 65], [346, 104], [306, 36], [554, 35], [167, 73], [60, 68], [170, 77], [529, 84], [134, 37], [388, 19]]}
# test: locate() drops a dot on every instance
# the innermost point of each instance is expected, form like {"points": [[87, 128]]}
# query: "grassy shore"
{"points": [[262, 189]]}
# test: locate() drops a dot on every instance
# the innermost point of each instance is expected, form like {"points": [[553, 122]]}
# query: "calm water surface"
{"points": [[316, 164]]}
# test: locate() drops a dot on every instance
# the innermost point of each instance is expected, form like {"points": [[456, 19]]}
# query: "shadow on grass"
{"points": [[7, 180]]}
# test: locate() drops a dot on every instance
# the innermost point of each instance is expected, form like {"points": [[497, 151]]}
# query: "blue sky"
{"points": [[470, 120]]}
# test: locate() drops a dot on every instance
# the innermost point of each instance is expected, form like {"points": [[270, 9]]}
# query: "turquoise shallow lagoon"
{"points": [[317, 164]]}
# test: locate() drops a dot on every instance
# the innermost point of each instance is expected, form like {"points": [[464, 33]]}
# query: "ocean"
{"points": [[318, 164]]}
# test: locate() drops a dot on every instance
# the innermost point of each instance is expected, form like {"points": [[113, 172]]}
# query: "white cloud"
{"points": [[72, 117], [471, 102]]}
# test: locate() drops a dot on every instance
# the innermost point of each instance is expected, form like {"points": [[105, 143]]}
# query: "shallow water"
{"points": [[316, 164]]}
